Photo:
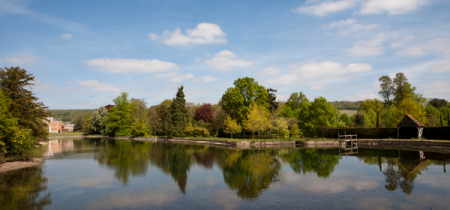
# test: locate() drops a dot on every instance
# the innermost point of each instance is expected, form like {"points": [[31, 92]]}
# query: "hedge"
{"points": [[442, 133]]}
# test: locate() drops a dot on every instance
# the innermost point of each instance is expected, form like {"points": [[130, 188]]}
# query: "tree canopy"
{"points": [[178, 114]]}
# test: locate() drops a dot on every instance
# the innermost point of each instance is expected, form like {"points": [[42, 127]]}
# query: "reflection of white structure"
{"points": [[58, 146]]}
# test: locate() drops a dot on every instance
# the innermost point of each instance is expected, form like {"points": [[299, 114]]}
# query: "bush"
{"points": [[196, 132], [140, 129], [295, 131], [20, 146], [2, 152]]}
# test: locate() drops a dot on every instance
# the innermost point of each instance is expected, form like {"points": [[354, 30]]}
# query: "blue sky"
{"points": [[84, 53]]}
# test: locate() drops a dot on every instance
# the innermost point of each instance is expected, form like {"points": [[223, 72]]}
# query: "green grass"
{"points": [[348, 112]]}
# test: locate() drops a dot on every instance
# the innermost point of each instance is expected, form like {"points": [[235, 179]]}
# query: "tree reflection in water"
{"points": [[319, 161], [249, 171], [20, 189]]}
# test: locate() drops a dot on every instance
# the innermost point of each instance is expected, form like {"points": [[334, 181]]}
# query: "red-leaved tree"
{"points": [[204, 112]]}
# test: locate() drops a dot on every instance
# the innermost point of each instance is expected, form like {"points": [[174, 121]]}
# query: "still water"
{"points": [[110, 174]]}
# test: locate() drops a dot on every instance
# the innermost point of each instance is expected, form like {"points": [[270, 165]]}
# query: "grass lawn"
{"points": [[348, 112], [66, 134]]}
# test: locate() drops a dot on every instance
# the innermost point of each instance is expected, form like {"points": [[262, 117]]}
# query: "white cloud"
{"points": [[350, 26], [269, 71], [174, 77], [226, 60], [313, 70], [403, 41], [441, 68], [208, 78], [369, 48], [361, 97], [392, 7], [202, 34], [66, 36], [439, 46], [131, 65], [438, 89], [23, 59], [327, 7], [95, 85], [317, 87]]}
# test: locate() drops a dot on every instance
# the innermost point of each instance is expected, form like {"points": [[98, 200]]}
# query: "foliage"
{"points": [[346, 105], [196, 132], [438, 103], [280, 125], [304, 161], [256, 120], [68, 115], [359, 119], [344, 118], [138, 109], [237, 101], [316, 114], [87, 123], [205, 113], [433, 115], [286, 111], [118, 122], [272, 99], [230, 126], [375, 106], [296, 100], [409, 106], [24, 106], [20, 145], [402, 88], [140, 128], [387, 89], [78, 121], [371, 118], [178, 116], [295, 131], [219, 116], [98, 120]]}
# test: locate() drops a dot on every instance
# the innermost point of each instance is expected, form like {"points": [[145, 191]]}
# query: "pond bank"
{"points": [[10, 166]]}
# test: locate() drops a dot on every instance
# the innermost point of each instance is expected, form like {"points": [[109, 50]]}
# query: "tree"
{"points": [[438, 104], [375, 105], [138, 109], [409, 106], [118, 122], [78, 121], [295, 131], [296, 100], [279, 124], [387, 89], [140, 128], [272, 99], [256, 119], [219, 116], [178, 116], [230, 126], [359, 119], [402, 88], [98, 120], [30, 113], [319, 113], [205, 113], [87, 123], [236, 101], [432, 115], [346, 119]]}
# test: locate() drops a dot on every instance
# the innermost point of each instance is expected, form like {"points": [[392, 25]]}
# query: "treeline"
{"points": [[68, 115], [22, 117], [346, 105]]}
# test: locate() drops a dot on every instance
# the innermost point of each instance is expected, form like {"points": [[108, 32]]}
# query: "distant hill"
{"points": [[347, 105], [69, 114]]}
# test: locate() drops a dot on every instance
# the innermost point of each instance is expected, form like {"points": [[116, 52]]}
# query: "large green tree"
{"points": [[439, 104], [30, 113], [118, 121], [387, 89], [178, 114], [98, 120], [374, 105], [296, 100], [316, 114], [236, 100], [402, 88]]}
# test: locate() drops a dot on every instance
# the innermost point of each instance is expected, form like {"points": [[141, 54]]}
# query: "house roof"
{"points": [[409, 121]]}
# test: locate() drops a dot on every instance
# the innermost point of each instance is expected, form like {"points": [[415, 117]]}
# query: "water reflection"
{"points": [[21, 189], [58, 146], [319, 161]]}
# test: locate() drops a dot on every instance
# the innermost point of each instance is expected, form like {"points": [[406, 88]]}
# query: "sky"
{"points": [[83, 54]]}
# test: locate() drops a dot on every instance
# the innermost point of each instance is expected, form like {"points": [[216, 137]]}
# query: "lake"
{"points": [[113, 174]]}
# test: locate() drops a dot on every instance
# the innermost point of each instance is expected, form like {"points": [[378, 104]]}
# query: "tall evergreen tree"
{"points": [[272, 99], [24, 105], [178, 114]]}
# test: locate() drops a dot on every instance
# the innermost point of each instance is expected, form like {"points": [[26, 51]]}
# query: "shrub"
{"points": [[19, 147], [295, 131], [140, 129], [196, 132]]}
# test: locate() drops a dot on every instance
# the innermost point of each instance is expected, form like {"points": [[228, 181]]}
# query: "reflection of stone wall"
{"points": [[58, 146]]}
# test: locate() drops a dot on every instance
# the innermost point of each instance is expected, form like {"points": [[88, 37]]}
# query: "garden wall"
{"points": [[442, 133]]}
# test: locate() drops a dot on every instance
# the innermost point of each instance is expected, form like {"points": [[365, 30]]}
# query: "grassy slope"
{"points": [[348, 112], [66, 134]]}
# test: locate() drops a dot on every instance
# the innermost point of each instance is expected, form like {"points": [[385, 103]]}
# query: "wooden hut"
{"points": [[409, 127]]}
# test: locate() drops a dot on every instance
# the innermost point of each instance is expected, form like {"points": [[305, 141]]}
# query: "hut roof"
{"points": [[409, 121]]}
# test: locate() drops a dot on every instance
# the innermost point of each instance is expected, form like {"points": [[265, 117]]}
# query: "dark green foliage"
{"points": [[272, 99], [387, 89], [118, 122], [178, 115], [87, 123], [24, 105], [402, 88], [359, 119], [68, 115], [304, 161], [344, 118], [78, 121], [296, 100]]}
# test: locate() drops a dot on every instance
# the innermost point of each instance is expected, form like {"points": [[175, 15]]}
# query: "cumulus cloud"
{"points": [[439, 46], [66, 36], [208, 78], [23, 59], [174, 77], [204, 33], [269, 71], [118, 66], [369, 48], [350, 26], [403, 41], [391, 7], [361, 97], [322, 70], [226, 60], [95, 85], [327, 7]]}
